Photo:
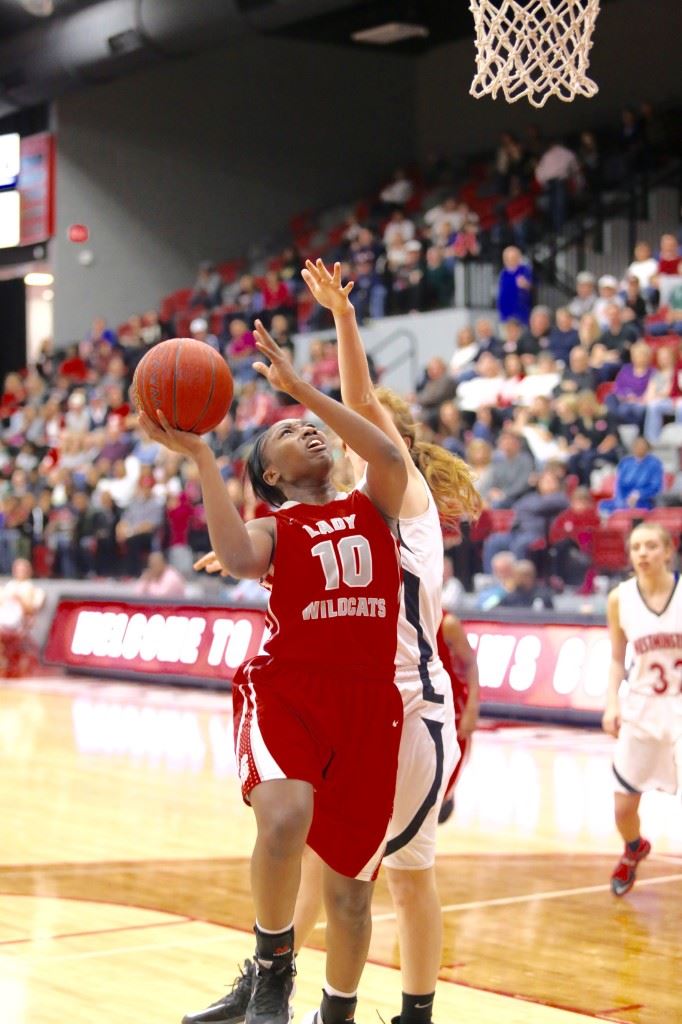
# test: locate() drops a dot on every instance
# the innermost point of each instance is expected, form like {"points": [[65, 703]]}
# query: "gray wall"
{"points": [[635, 57], [200, 157]]}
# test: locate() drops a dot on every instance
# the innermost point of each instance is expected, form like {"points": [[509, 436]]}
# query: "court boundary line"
{"points": [[94, 931], [503, 901]]}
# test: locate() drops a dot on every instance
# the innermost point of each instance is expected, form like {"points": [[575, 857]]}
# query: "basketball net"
{"points": [[533, 48]]}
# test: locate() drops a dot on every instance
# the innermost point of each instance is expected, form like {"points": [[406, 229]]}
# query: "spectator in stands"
{"points": [[502, 571], [534, 512], [241, 351], [672, 314], [107, 514], [151, 330], [589, 159], [571, 538], [670, 258], [515, 286], [275, 296], [509, 160], [556, 172], [542, 379], [618, 336], [465, 244], [60, 535], [526, 592], [635, 306], [519, 211], [466, 351], [626, 401], [449, 212], [207, 287], [509, 391], [510, 474], [255, 411], [369, 291], [439, 282], [247, 297], [608, 295], [563, 336], [398, 191], [639, 479], [280, 329], [578, 375], [407, 280], [160, 579], [644, 267], [139, 525], [512, 333], [486, 338], [323, 368], [536, 338], [585, 297], [597, 442], [663, 396], [479, 455], [485, 387], [436, 387], [450, 429], [198, 329], [398, 230]]}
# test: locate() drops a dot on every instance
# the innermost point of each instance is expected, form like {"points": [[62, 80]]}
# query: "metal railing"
{"points": [[407, 354]]}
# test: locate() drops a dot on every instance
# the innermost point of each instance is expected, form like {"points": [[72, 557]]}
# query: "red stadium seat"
{"points": [[609, 550], [501, 519], [603, 390], [625, 518]]}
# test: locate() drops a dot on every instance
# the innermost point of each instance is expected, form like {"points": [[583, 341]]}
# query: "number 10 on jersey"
{"points": [[350, 560]]}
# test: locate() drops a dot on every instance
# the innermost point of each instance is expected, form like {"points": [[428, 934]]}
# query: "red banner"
{"points": [[36, 188], [533, 665], [153, 641]]}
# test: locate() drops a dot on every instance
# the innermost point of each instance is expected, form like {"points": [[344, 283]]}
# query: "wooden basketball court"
{"points": [[124, 873]]}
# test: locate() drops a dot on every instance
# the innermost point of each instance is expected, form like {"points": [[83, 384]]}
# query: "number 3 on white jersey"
{"points": [[355, 556]]}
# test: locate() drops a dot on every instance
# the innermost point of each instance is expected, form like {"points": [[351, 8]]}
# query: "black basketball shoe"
{"points": [[231, 1009], [273, 989]]}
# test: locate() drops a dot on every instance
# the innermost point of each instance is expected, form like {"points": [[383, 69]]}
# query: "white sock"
{"points": [[339, 995], [277, 931]]}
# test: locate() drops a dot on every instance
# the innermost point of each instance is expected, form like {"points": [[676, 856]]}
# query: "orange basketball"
{"points": [[188, 381]]}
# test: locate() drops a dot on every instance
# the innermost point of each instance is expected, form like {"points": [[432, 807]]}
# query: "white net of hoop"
{"points": [[533, 48]]}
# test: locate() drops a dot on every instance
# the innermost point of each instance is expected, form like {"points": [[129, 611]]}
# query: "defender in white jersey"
{"points": [[439, 486], [645, 615]]}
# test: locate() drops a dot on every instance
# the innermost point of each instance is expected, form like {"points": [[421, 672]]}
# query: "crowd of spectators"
{"points": [[539, 401]]}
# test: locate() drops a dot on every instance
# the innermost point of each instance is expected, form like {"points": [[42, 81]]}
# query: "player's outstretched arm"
{"points": [[386, 472], [357, 388], [244, 553], [611, 716], [456, 639]]}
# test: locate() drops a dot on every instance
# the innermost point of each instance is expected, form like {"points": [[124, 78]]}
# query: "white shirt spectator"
{"points": [[643, 270], [557, 162], [462, 358], [398, 232], [472, 394]]}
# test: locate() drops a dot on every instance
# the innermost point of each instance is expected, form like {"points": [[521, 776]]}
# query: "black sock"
{"points": [[337, 1009], [274, 949], [417, 1009], [633, 845]]}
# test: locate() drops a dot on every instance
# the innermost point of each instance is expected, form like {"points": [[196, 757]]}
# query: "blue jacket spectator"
{"points": [[563, 336], [515, 288], [638, 481]]}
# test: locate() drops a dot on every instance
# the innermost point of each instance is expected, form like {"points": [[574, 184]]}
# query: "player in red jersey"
{"points": [[310, 735], [460, 663]]}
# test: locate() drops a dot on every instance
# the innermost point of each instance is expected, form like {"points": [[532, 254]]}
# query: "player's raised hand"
{"points": [[211, 564], [178, 441], [280, 374], [326, 288]]}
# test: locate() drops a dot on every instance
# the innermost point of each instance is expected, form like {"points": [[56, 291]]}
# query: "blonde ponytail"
{"points": [[450, 479]]}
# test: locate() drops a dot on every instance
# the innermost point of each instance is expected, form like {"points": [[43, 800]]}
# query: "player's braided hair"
{"points": [[255, 469], [450, 479]]}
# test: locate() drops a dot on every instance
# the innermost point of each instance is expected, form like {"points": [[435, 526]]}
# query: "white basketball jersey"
{"points": [[418, 667], [655, 640]]}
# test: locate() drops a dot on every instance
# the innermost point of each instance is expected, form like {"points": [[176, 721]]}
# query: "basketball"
{"points": [[188, 381]]}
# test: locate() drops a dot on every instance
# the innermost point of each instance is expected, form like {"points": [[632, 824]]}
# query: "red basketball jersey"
{"points": [[335, 589]]}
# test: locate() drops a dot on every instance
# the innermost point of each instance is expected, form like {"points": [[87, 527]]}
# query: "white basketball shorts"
{"points": [[426, 760], [648, 752]]}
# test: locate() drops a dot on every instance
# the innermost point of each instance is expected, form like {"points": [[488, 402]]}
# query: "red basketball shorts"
{"points": [[340, 734]]}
